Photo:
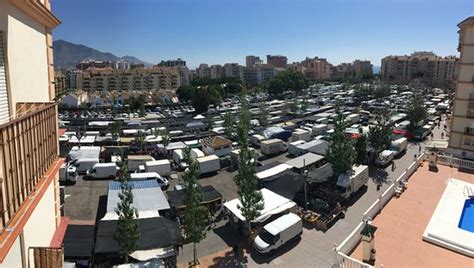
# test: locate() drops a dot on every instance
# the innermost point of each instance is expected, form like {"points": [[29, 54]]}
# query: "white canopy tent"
{"points": [[273, 204], [273, 171]]}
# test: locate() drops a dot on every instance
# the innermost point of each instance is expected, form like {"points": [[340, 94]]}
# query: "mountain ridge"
{"points": [[67, 54]]}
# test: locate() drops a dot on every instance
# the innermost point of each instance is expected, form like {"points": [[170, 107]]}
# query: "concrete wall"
{"points": [[27, 64], [467, 54], [466, 73], [469, 36], [464, 90]]}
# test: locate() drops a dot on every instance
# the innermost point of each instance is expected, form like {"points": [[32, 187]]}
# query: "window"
{"points": [[4, 109]]}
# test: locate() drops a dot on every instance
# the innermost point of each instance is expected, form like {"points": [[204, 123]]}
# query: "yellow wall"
{"points": [[27, 65]]}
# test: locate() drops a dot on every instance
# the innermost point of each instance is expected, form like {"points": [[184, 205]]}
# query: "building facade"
{"points": [[461, 137], [277, 61], [251, 61], [31, 226], [173, 63], [156, 78], [419, 65]]}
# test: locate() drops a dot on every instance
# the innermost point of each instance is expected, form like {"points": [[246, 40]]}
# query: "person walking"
{"points": [[419, 148], [393, 166], [442, 135]]}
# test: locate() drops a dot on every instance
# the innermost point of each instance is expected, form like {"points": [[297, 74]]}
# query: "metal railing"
{"points": [[455, 162], [28, 147]]}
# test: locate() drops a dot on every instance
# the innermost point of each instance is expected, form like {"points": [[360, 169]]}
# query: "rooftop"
{"points": [[402, 221]]}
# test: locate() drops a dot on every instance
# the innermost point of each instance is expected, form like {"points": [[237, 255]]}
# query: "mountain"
{"points": [[67, 54]]}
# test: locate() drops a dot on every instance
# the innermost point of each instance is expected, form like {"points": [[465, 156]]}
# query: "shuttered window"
{"points": [[4, 111]]}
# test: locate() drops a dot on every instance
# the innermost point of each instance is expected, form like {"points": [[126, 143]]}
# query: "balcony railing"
{"points": [[48, 257], [28, 147]]}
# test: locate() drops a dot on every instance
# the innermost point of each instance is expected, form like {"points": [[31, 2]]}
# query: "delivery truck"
{"points": [[272, 146], [293, 147], [319, 129], [349, 185], [103, 171], [399, 146], [277, 233], [256, 139], [178, 157], [135, 161], [67, 174], [208, 164], [162, 167], [300, 134]]}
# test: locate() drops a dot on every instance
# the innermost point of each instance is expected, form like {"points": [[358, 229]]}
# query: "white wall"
{"points": [[27, 64], [13, 259], [40, 228]]}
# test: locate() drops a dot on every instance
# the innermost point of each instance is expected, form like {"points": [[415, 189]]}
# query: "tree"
{"points": [[228, 124], [362, 92], [304, 103], [165, 136], [380, 133], [340, 153], [381, 91], [185, 93], [127, 232], [287, 80], [215, 96], [195, 214], [116, 129], [416, 111], [201, 100], [247, 182], [263, 116], [141, 141], [294, 106], [361, 149]]}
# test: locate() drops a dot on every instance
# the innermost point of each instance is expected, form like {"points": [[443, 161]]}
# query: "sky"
{"points": [[221, 31]]}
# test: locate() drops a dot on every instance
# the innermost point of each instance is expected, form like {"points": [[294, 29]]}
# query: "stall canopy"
{"points": [[265, 174], [79, 242], [148, 199], [320, 174], [274, 204], [155, 233], [286, 183], [209, 195]]}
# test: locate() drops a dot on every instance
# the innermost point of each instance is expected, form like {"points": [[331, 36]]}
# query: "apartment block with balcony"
{"points": [[31, 226], [461, 138]]}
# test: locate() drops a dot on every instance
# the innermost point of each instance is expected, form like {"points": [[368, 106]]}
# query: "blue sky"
{"points": [[220, 31]]}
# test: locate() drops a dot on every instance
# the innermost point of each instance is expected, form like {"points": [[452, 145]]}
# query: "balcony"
{"points": [[470, 114], [47, 256], [469, 130], [28, 148]]}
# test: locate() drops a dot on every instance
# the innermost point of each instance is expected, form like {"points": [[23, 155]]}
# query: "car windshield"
{"points": [[266, 237]]}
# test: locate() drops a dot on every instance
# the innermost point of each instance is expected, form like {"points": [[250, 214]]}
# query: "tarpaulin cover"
{"points": [[287, 183], [155, 233], [209, 194], [79, 241]]}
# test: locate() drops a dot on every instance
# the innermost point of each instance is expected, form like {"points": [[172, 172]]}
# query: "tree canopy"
{"points": [[289, 79]]}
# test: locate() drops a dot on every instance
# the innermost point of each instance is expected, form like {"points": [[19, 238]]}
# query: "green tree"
{"points": [[294, 105], [215, 95], [195, 214], [228, 124], [287, 80], [381, 91], [363, 92], [380, 133], [200, 100], [361, 149], [165, 136], [140, 140], [264, 114], [247, 182], [416, 111], [185, 93], [341, 153], [116, 129], [127, 233]]}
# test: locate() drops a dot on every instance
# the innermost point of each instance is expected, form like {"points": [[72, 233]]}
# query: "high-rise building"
{"points": [[84, 65], [173, 63], [183, 73], [316, 68], [232, 70], [251, 61], [362, 68], [419, 65], [253, 76], [203, 70], [31, 226], [60, 81], [461, 137], [217, 71], [277, 61]]}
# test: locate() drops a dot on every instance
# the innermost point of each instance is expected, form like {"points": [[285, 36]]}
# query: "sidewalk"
{"points": [[224, 258]]}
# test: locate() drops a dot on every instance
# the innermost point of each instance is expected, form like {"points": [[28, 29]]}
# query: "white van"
{"points": [[151, 176], [82, 165], [103, 171], [67, 174], [278, 232], [385, 157]]}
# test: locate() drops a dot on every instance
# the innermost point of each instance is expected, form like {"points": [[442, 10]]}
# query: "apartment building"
{"points": [[277, 61], [254, 76], [156, 78], [122, 65], [316, 68], [232, 70], [461, 138], [31, 226], [251, 61], [422, 65], [60, 81], [173, 63], [203, 70], [86, 64], [362, 68], [216, 71]]}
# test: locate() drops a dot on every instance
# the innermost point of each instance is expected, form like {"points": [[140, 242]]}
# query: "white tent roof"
{"points": [[199, 117], [273, 204], [273, 171]]}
